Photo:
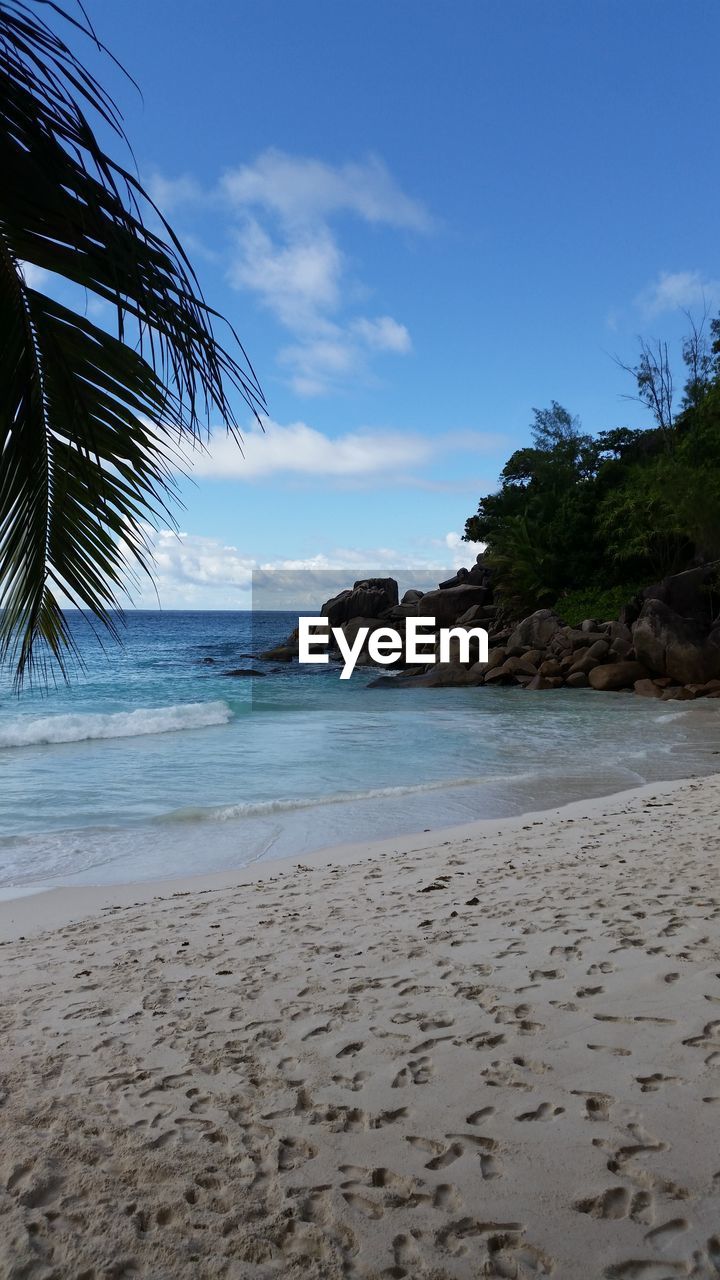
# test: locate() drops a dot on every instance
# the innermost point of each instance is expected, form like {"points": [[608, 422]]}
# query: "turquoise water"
{"points": [[153, 762]]}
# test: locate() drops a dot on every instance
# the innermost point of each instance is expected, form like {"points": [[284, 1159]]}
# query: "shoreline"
{"points": [[28, 911]]}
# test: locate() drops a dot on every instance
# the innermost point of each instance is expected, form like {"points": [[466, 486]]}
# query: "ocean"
{"points": [[154, 762]]}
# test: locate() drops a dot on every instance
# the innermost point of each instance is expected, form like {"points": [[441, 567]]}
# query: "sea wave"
{"points": [[77, 727], [260, 808]]}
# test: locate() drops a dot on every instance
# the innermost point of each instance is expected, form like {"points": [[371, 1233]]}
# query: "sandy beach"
{"points": [[487, 1052]]}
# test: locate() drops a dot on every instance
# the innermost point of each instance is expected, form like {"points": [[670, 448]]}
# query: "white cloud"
{"points": [[285, 251], [299, 449], [304, 190], [383, 334], [170, 193], [197, 572], [319, 363], [200, 562], [679, 289], [288, 255], [299, 281]]}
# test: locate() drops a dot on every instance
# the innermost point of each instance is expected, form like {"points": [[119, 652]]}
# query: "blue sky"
{"points": [[423, 219]]}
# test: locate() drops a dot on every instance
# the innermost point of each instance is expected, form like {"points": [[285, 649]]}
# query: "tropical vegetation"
{"points": [[583, 521], [95, 401]]}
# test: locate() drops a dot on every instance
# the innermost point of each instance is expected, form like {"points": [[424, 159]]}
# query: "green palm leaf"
{"points": [[90, 422]]}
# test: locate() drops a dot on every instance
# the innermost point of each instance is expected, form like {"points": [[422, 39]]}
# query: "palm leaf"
{"points": [[83, 470]]}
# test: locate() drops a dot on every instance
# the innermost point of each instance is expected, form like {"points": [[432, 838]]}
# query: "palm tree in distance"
{"points": [[90, 421]]}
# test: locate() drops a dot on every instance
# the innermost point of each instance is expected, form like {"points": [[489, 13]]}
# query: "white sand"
{"points": [[491, 1053]]}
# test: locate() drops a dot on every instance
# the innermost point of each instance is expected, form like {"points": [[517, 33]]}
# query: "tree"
{"points": [[654, 381], [538, 526], [583, 518], [90, 421], [697, 358]]}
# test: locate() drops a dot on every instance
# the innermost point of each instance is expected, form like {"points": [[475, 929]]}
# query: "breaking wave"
{"points": [[48, 730], [259, 808]]}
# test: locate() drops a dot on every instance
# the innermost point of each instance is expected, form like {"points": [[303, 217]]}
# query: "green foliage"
{"points": [[579, 521], [601, 604], [91, 422], [522, 562]]}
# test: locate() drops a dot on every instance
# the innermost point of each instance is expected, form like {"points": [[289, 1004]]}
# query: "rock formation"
{"points": [[665, 644]]}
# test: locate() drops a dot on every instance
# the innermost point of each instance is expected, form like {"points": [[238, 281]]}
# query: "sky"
{"points": [[423, 219]]}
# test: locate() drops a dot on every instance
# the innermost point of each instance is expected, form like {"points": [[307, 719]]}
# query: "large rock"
{"points": [[618, 631], [478, 615], [441, 676], [584, 664], [544, 682], [672, 645], [478, 576], [351, 628], [537, 631], [612, 676], [450, 603], [600, 650], [498, 675], [684, 593], [369, 598], [577, 680], [281, 653], [401, 682], [647, 689], [621, 648], [496, 657], [445, 674], [518, 667], [550, 668], [284, 652], [577, 639], [399, 612]]}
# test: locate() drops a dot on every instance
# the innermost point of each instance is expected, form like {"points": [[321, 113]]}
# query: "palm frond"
{"points": [[82, 468]]}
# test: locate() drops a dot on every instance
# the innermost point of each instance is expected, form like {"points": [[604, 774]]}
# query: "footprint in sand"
{"points": [[618, 1202], [651, 1084], [350, 1049], [455, 1235], [476, 1117], [665, 1235], [643, 1269], [597, 1105], [393, 1190], [407, 1256], [417, 1071], [293, 1152], [438, 1023], [545, 1111], [446, 1157], [355, 1083]]}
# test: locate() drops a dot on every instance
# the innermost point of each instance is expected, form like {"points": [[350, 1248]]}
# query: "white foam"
{"points": [[47, 730], [260, 807]]}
